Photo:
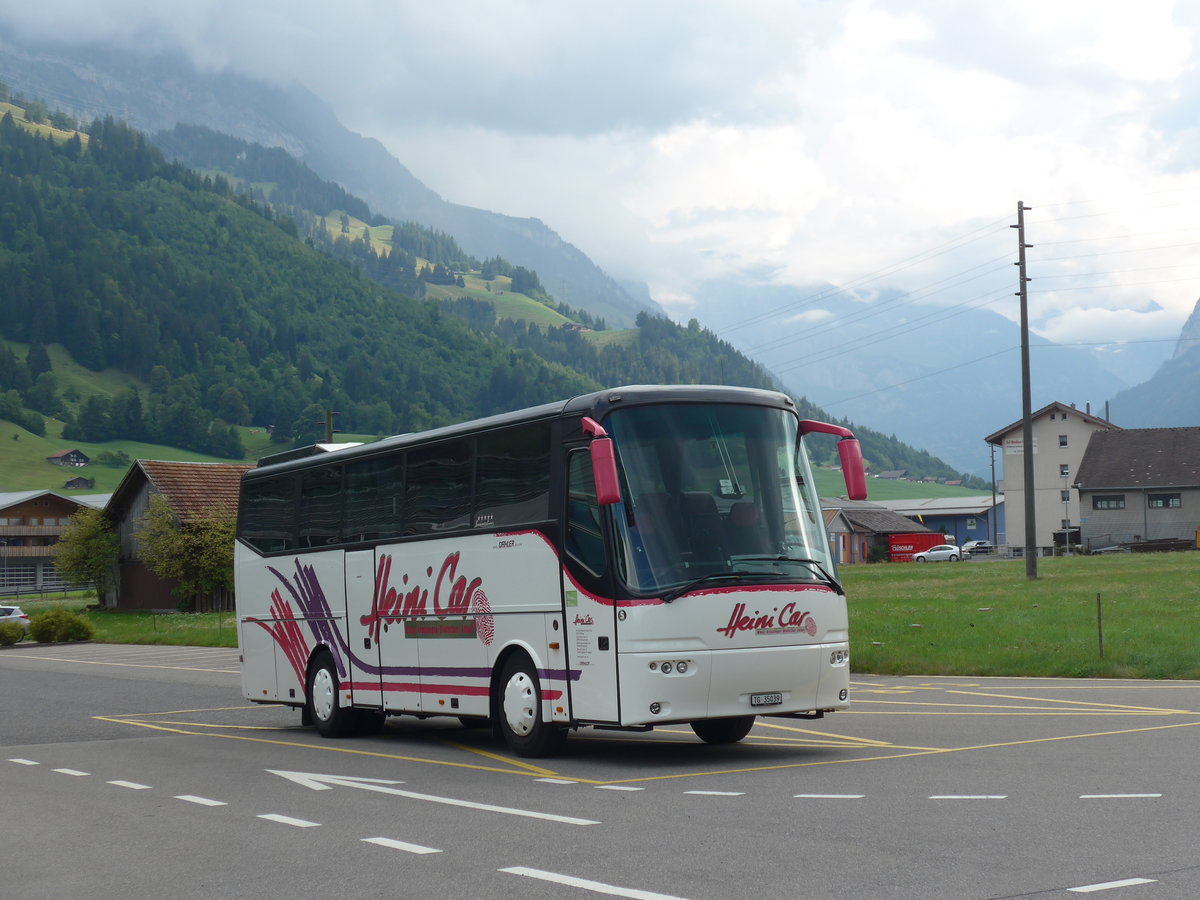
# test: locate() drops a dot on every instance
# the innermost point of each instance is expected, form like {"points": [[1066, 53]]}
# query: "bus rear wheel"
{"points": [[321, 700], [519, 716], [723, 731]]}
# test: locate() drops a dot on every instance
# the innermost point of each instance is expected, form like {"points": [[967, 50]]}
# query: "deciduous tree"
{"points": [[87, 551]]}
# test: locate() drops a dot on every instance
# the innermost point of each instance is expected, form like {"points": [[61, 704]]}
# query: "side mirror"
{"points": [[850, 453], [604, 463]]}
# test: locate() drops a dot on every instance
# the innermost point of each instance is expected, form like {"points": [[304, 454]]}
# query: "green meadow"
{"points": [[984, 617]]}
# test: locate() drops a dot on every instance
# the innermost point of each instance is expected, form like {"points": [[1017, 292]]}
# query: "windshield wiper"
{"points": [[676, 593], [820, 570]]}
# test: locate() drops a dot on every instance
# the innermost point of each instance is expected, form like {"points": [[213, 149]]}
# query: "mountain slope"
{"points": [[153, 93], [1171, 397]]}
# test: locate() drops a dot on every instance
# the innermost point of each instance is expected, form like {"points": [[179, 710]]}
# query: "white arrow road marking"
{"points": [[328, 782], [598, 887], [1109, 885]]}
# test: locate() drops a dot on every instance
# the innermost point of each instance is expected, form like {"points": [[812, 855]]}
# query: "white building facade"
{"points": [[1060, 436]]}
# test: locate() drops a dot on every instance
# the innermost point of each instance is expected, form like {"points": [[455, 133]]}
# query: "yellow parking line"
{"points": [[1113, 706], [322, 747]]}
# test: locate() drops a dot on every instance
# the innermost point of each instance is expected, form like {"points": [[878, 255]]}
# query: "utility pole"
{"points": [[328, 422], [1026, 401]]}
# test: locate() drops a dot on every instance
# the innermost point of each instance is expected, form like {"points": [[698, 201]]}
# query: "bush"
{"points": [[10, 633], [60, 625]]}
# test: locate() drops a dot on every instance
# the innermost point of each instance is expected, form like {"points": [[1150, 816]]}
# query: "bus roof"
{"points": [[596, 404]]}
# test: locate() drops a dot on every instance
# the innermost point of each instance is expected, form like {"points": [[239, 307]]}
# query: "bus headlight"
{"points": [[681, 667], [666, 668]]}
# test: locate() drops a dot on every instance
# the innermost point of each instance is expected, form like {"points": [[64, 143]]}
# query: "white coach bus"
{"points": [[625, 559]]}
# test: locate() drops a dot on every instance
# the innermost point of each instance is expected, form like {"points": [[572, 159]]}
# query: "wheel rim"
{"points": [[520, 709], [324, 694]]}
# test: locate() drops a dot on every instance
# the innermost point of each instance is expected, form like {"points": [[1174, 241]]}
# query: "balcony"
{"points": [[40, 552], [30, 531]]}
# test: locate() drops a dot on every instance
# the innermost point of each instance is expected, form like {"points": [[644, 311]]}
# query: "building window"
{"points": [[1064, 469], [1051, 417], [1066, 524], [1109, 501], [1165, 501], [1062, 440], [1064, 496]]}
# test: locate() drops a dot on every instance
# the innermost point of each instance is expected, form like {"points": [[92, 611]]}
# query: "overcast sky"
{"points": [[815, 141]]}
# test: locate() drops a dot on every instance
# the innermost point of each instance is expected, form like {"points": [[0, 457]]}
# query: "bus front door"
{"points": [[590, 613]]}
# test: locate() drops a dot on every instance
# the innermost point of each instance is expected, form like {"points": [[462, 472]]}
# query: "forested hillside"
{"points": [[232, 314], [137, 264]]}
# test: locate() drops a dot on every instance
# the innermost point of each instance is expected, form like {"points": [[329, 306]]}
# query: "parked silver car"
{"points": [[14, 614], [941, 553]]}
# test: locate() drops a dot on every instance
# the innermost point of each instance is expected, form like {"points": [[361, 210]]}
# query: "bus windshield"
{"points": [[714, 495]]}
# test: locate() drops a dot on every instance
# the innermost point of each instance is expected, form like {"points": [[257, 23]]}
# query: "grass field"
{"points": [[976, 618], [983, 617]]}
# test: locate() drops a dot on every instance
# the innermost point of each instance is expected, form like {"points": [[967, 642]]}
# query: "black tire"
{"points": [[919, 559], [321, 700], [723, 731], [519, 711], [953, 558]]}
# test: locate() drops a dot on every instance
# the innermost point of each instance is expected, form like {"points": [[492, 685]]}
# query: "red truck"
{"points": [[901, 547]]}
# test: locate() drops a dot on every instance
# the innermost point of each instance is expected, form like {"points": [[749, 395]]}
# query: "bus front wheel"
{"points": [[321, 701], [520, 713], [723, 731]]}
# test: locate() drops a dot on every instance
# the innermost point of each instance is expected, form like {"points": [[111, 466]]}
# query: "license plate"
{"points": [[773, 699]]}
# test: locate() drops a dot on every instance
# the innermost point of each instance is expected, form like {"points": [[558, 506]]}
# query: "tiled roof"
{"points": [[1141, 457], [194, 488], [881, 521]]}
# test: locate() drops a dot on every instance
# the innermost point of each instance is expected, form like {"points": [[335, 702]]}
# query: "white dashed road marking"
{"points": [[288, 820], [74, 772], [132, 785], [400, 845], [201, 801], [829, 796]]}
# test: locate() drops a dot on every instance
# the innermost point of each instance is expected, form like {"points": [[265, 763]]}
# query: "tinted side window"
{"points": [[374, 499], [268, 514], [512, 477], [438, 492], [321, 507]]}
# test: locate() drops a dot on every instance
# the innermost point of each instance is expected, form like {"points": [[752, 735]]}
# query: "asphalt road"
{"points": [[138, 772]]}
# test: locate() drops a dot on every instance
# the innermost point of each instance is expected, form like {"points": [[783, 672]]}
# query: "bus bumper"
{"points": [[660, 688]]}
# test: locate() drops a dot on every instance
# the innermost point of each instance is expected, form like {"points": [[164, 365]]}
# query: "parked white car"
{"points": [[941, 553]]}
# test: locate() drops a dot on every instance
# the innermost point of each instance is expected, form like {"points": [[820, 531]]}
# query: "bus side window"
{"points": [[268, 515], [321, 507], [438, 495], [512, 477], [584, 537], [374, 494]]}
